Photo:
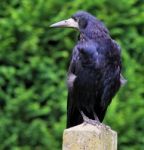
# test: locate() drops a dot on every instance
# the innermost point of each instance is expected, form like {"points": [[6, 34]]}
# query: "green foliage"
{"points": [[33, 64]]}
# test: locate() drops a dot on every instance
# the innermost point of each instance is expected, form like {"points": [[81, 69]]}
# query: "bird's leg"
{"points": [[89, 121], [85, 118]]}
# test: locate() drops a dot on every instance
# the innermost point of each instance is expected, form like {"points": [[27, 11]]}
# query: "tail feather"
{"points": [[73, 114], [74, 118]]}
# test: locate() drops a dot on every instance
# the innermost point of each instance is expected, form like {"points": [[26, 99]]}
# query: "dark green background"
{"points": [[34, 60]]}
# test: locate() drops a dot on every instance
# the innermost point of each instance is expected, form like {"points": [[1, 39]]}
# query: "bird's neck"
{"points": [[82, 37], [96, 36]]}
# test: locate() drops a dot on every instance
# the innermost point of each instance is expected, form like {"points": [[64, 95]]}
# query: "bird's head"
{"points": [[82, 21]]}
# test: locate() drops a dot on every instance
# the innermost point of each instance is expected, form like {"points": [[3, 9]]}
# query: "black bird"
{"points": [[94, 74]]}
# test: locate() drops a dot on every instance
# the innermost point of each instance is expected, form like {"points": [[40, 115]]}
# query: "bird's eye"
{"points": [[74, 18], [83, 23]]}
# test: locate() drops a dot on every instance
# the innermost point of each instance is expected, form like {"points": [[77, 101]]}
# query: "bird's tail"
{"points": [[73, 114], [74, 119]]}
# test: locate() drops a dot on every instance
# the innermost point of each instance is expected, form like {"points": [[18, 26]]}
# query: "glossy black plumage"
{"points": [[94, 72]]}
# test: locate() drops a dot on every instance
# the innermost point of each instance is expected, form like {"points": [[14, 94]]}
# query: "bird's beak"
{"points": [[69, 23]]}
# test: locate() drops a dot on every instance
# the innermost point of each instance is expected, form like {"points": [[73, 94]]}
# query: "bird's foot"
{"points": [[95, 122], [92, 122]]}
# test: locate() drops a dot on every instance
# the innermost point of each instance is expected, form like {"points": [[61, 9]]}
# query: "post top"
{"points": [[90, 137], [91, 128]]}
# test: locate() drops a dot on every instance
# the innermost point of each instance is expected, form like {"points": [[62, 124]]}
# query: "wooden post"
{"points": [[89, 137]]}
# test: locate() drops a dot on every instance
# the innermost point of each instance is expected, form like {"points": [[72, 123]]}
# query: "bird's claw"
{"points": [[92, 122], [95, 122]]}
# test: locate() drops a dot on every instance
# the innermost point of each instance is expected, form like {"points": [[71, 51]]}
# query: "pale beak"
{"points": [[69, 23]]}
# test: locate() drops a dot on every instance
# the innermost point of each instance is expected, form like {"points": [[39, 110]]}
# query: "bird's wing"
{"points": [[112, 76], [105, 67]]}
